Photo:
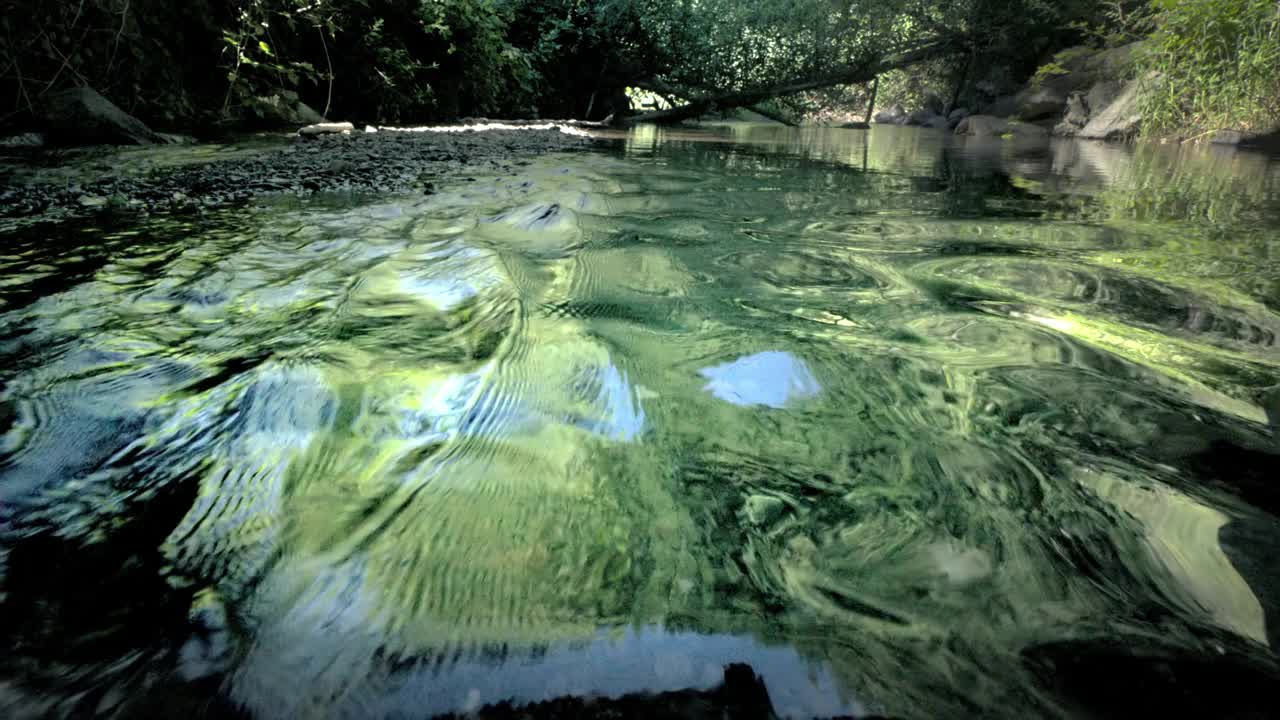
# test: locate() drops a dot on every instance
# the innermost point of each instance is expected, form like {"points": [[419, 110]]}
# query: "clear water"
{"points": [[913, 427]]}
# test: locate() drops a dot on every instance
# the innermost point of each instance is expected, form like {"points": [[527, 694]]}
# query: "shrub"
{"points": [[1212, 64]]}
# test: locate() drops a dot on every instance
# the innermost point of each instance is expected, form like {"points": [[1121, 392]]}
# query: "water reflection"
{"points": [[769, 378], [381, 457]]}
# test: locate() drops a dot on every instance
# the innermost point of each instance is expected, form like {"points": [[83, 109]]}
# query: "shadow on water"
{"points": [[742, 422]]}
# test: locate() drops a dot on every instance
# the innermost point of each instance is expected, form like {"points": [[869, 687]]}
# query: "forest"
{"points": [[1206, 64]]}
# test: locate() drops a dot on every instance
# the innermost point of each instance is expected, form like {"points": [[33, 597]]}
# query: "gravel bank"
{"points": [[388, 161]]}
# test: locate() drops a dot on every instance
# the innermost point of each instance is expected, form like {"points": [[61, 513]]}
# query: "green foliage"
{"points": [[1212, 64], [1116, 23]]}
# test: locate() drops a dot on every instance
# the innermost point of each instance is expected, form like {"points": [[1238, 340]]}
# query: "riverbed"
{"points": [[912, 425]]}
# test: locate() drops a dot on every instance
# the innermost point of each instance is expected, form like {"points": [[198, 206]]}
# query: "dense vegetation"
{"points": [[209, 61]]}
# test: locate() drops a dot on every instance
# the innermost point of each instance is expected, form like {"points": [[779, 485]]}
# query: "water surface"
{"points": [[911, 425]]}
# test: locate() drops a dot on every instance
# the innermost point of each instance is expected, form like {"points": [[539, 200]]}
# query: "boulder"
{"points": [[893, 115], [958, 114], [982, 126], [283, 109], [1040, 103], [989, 126], [933, 105], [925, 118], [1077, 111], [1247, 139], [80, 116], [856, 125], [1065, 129], [1003, 106], [1022, 130], [937, 122], [1119, 120], [334, 128], [1102, 94]]}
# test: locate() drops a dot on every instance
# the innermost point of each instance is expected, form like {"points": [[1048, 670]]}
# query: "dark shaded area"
{"points": [[741, 696], [1129, 677]]}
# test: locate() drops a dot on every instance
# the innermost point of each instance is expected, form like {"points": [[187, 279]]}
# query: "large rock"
{"points": [[983, 126], [1003, 106], [1247, 139], [1041, 103], [926, 118], [283, 109], [1029, 131], [990, 126], [1077, 111], [893, 115], [1102, 94], [1118, 121], [80, 116]]}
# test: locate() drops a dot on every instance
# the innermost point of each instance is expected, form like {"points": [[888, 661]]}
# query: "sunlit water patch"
{"points": [[910, 427]]}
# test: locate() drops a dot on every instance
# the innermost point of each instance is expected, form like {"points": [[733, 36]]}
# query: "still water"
{"points": [[914, 427]]}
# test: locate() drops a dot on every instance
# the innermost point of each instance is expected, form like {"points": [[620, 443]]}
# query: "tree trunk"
{"points": [[774, 116], [871, 104], [860, 73]]}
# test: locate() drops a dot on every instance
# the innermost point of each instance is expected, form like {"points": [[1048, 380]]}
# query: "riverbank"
{"points": [[56, 185]]}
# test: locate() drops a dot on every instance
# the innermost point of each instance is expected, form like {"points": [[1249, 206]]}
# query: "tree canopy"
{"points": [[418, 60]]}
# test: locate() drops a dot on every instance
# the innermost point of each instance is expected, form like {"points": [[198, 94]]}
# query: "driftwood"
{"points": [[862, 72]]}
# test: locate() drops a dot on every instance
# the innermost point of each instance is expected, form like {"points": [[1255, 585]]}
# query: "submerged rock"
{"points": [[80, 116]]}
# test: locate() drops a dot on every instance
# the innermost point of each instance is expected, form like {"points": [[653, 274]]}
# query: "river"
{"points": [[912, 425]]}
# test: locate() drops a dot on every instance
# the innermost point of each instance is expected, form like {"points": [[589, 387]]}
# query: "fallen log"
{"points": [[859, 73]]}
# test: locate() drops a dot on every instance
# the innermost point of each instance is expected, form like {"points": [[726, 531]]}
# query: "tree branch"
{"points": [[859, 73]]}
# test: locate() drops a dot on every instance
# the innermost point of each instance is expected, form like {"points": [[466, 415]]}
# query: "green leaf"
{"points": [[265, 48]]}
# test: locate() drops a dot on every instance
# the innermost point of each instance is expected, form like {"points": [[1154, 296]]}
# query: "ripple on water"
{"points": [[604, 426]]}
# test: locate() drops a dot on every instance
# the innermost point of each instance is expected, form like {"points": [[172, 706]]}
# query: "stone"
{"points": [[924, 118], [1003, 106], [1077, 111], [282, 110], [937, 122], [932, 105], [1102, 94], [982, 126], [1041, 103], [893, 115], [1119, 120], [369, 129], [763, 509], [1244, 138], [80, 116], [333, 128], [957, 115], [1023, 130], [23, 140], [1065, 129]]}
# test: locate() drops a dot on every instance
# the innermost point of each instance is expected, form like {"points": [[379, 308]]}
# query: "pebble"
{"points": [[383, 162], [763, 509]]}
